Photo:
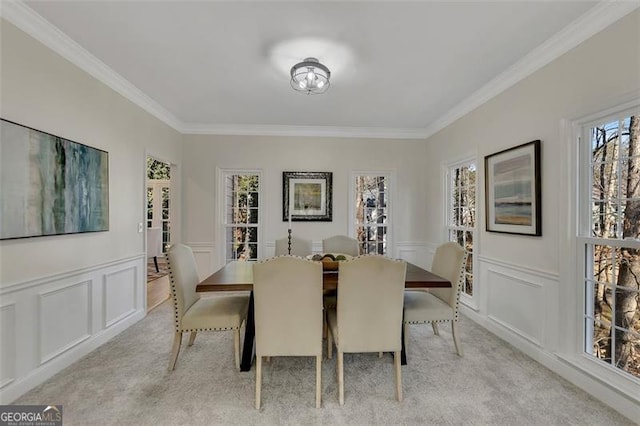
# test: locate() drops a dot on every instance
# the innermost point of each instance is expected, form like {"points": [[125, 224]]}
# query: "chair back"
{"points": [[341, 244], [183, 275], [449, 262], [154, 242], [287, 293], [299, 247], [370, 300]]}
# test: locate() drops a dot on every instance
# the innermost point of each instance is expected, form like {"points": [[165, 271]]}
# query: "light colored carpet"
{"points": [[126, 382]]}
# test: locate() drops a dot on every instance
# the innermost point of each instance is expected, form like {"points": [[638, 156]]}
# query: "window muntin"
{"points": [[242, 213], [461, 212], [610, 241], [372, 208]]}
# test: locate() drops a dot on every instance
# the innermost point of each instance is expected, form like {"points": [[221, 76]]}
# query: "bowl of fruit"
{"points": [[330, 262]]}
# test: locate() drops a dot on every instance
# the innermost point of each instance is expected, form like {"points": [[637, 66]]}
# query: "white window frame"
{"points": [[571, 328], [221, 197], [390, 176], [474, 300]]}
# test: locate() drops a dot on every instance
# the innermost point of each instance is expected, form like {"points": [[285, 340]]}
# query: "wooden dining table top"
{"points": [[238, 276]]}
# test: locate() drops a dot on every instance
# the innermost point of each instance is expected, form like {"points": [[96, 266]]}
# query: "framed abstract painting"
{"points": [[306, 196], [50, 185], [512, 190]]}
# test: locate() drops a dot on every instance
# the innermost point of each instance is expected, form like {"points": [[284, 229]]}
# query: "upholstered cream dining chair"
{"points": [[299, 247], [439, 304], [341, 244], [368, 317], [193, 313], [287, 292]]}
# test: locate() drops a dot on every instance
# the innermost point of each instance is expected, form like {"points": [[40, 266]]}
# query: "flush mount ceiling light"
{"points": [[310, 77]]}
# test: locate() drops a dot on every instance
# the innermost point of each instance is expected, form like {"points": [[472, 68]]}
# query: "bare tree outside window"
{"points": [[461, 189], [613, 273], [372, 213], [242, 204]]}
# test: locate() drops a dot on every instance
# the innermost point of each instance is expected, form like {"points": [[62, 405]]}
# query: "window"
{"points": [[371, 212], [461, 213], [241, 215], [609, 238]]}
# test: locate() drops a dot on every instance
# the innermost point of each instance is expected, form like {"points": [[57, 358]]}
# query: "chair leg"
{"points": [[236, 348], [155, 263], [435, 328], [258, 380], [396, 362], [177, 341], [318, 381], [329, 345], [192, 338], [454, 331], [340, 365]]}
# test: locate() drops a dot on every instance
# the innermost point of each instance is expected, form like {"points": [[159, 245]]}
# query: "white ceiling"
{"points": [[399, 69]]}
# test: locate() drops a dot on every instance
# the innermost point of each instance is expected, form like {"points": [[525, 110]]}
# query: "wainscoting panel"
{"points": [[120, 299], [418, 253], [50, 322], [205, 256], [8, 338], [520, 300], [65, 319], [516, 304]]}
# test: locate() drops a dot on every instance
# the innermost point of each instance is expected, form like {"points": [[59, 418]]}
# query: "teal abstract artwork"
{"points": [[50, 185]]}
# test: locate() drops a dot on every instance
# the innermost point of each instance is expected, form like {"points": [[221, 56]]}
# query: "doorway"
{"points": [[158, 184]]}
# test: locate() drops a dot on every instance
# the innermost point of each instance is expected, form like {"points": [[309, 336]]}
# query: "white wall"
{"points": [[520, 280], [62, 296], [273, 155]]}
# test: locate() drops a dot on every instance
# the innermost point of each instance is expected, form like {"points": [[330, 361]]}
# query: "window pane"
{"points": [[601, 340], [468, 286], [605, 181], [253, 199]]}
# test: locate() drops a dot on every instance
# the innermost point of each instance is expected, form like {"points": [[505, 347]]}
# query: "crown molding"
{"points": [[592, 22], [311, 131], [25, 18]]}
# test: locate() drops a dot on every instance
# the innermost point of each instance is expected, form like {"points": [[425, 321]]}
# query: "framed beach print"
{"points": [[50, 185], [306, 196], [512, 190]]}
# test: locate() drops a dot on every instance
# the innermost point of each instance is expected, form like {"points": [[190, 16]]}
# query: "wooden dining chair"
{"points": [[299, 247], [368, 317], [441, 304], [193, 313], [341, 244], [287, 292]]}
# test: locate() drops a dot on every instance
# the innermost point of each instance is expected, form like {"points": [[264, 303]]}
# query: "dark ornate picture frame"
{"points": [[513, 190], [309, 194]]}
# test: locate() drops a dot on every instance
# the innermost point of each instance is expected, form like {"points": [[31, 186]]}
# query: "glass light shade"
{"points": [[310, 77]]}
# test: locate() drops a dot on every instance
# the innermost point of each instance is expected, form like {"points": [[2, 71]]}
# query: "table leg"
{"points": [[249, 337]]}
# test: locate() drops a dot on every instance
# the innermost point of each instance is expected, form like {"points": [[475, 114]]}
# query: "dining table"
{"points": [[238, 276]]}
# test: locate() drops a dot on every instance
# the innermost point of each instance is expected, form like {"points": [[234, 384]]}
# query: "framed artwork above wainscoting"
{"points": [[50, 185], [513, 190], [307, 196]]}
